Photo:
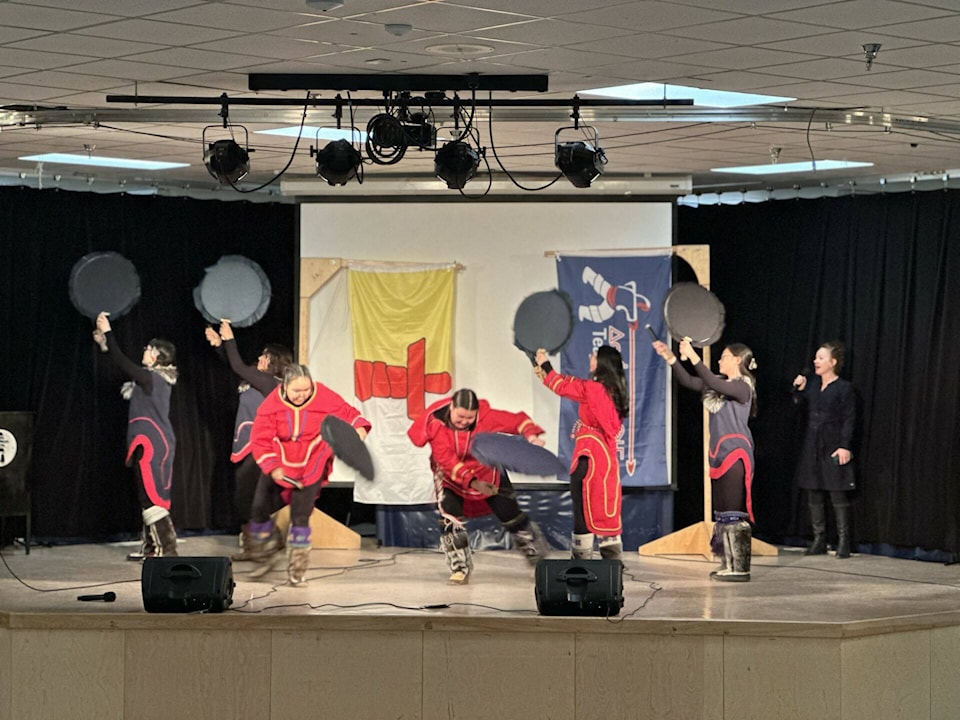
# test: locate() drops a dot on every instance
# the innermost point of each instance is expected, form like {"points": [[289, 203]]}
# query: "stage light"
{"points": [[389, 136], [456, 163], [226, 161], [338, 162], [579, 161]]}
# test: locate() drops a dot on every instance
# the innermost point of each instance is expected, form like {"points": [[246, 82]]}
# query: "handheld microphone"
{"points": [[803, 371], [651, 331], [105, 597]]}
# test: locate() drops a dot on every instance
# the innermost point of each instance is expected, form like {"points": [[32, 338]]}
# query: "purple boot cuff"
{"points": [[299, 537]]}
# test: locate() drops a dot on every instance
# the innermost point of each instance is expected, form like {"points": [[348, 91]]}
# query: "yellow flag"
{"points": [[402, 334]]}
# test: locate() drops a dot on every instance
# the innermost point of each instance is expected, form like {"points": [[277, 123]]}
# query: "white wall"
{"points": [[501, 245]]}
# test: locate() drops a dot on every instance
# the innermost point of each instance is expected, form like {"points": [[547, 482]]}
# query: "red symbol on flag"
{"points": [[377, 379]]}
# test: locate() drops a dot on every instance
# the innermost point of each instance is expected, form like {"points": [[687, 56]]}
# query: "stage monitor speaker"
{"points": [[187, 584], [579, 587]]}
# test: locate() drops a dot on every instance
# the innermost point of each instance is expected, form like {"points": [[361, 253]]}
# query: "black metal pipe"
{"points": [[411, 101]]}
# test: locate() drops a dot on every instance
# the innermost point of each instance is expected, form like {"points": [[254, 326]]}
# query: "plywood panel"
{"points": [[74, 674], [649, 677], [217, 675], [478, 675], [887, 677], [6, 663], [944, 673], [347, 675], [789, 678]]}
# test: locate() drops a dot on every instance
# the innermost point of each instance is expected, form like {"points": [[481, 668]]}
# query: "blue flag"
{"points": [[614, 298]]}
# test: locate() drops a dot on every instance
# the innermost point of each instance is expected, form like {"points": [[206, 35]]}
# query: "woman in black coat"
{"points": [[825, 459]]}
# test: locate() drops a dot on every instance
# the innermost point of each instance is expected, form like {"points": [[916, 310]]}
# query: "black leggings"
{"points": [[729, 491], [504, 505], [245, 478], [576, 496], [142, 498], [267, 500]]}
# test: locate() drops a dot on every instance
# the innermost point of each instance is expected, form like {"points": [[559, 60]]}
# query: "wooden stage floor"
{"points": [[789, 588], [378, 633]]}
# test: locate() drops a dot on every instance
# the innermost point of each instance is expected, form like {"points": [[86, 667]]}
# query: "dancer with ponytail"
{"points": [[730, 400], [595, 466]]}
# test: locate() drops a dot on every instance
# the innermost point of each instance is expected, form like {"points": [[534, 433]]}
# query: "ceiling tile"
{"points": [[65, 80], [350, 32], [861, 14], [847, 44], [268, 46], [940, 30], [20, 15], [127, 70], [196, 59], [158, 32], [70, 43], [748, 31], [744, 58], [650, 16], [553, 32], [231, 17], [443, 17], [924, 56], [37, 60], [652, 46], [123, 8]]}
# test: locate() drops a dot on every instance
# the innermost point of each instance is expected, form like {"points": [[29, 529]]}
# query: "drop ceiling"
{"points": [[60, 59]]}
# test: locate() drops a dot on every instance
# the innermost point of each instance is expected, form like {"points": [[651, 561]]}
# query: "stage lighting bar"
{"points": [[396, 83]]}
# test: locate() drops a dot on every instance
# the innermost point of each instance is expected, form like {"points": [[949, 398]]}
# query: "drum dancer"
{"points": [[602, 403], [465, 486], [150, 441], [730, 400], [258, 381], [825, 460], [287, 446]]}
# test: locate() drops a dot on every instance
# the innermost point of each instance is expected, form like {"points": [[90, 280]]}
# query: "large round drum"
{"points": [[690, 310], [104, 282], [543, 320], [235, 289]]}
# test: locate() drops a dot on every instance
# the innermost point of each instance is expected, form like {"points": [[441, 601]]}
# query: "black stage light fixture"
{"points": [[225, 159], [456, 163], [580, 162], [389, 135], [338, 162]]}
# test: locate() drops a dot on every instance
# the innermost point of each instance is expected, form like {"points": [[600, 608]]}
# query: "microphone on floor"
{"points": [[105, 597]]}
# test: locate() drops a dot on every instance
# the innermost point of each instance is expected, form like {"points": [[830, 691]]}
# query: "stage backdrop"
{"points": [[505, 251]]}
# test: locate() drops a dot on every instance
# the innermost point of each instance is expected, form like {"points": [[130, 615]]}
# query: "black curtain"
{"points": [[879, 273], [80, 487]]}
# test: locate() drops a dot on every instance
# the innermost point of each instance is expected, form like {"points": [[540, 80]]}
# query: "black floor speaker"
{"points": [[187, 584], [579, 587]]}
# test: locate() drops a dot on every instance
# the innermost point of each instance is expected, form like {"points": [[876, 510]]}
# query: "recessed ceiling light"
{"points": [[794, 167], [320, 133], [700, 97], [324, 5], [459, 49], [102, 161]]}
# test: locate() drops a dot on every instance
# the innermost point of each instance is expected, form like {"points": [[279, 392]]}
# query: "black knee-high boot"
{"points": [[842, 513], [818, 520]]}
